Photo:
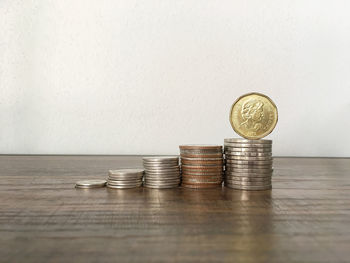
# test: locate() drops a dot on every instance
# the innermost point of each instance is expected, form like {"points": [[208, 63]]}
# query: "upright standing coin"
{"points": [[253, 116]]}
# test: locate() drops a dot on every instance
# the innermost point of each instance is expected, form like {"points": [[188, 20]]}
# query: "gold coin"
{"points": [[253, 116]]}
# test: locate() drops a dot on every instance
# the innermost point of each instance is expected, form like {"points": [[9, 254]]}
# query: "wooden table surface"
{"points": [[43, 218]]}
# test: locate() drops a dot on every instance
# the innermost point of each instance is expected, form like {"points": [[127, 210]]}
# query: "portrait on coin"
{"points": [[252, 114]]}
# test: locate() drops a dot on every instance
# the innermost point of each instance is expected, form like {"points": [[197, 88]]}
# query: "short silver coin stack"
{"points": [[161, 171], [125, 178], [248, 164]]}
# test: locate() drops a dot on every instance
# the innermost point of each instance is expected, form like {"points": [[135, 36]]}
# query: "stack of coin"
{"points": [[248, 164], [161, 171], [202, 166], [87, 184], [125, 178]]}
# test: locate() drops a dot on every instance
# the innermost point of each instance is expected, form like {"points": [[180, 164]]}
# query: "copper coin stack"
{"points": [[248, 164], [202, 166]]}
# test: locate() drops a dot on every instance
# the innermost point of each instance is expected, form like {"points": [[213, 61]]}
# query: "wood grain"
{"points": [[43, 218]]}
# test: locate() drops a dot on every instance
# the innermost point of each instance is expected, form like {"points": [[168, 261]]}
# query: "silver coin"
{"points": [[248, 179], [249, 188], [175, 171], [175, 175], [248, 145], [252, 162], [125, 176], [201, 181], [162, 179], [160, 158], [248, 158], [248, 174], [165, 162], [90, 183], [172, 163], [251, 170], [167, 181], [123, 186], [248, 154], [245, 183], [229, 150], [164, 170], [162, 184], [161, 187], [126, 171], [160, 167], [123, 181], [239, 140]]}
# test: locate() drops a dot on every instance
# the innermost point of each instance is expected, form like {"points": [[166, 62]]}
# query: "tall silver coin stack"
{"points": [[125, 178], [248, 164], [161, 171]]}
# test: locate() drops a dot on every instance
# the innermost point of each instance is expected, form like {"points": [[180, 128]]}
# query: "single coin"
{"points": [[201, 159], [245, 183], [248, 188], [247, 149], [158, 167], [125, 176], [124, 181], [253, 116], [126, 185], [178, 175], [90, 183], [248, 154], [160, 158], [200, 181], [204, 155], [215, 173], [165, 182], [247, 170], [201, 167], [239, 140], [201, 153], [201, 186], [247, 145], [234, 161], [126, 171], [172, 183], [248, 179], [200, 147], [210, 177], [202, 163], [251, 175], [248, 158], [161, 169], [265, 170], [161, 187], [123, 186], [164, 161]]}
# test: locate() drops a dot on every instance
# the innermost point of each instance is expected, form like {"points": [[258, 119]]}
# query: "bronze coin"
{"points": [[202, 155], [200, 147], [201, 186]]}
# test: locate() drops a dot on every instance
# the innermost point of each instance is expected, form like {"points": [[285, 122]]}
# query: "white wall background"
{"points": [[142, 77]]}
